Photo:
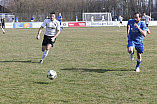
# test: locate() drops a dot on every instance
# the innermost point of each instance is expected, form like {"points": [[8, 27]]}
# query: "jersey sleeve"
{"points": [[144, 26], [129, 21], [44, 23]]}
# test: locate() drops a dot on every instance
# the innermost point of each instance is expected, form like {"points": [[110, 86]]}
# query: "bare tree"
{"points": [[70, 8]]}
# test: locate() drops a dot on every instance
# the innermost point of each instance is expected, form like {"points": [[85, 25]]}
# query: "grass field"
{"points": [[92, 65]]}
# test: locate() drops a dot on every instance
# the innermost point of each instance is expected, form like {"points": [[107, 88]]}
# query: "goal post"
{"points": [[8, 17], [97, 16]]}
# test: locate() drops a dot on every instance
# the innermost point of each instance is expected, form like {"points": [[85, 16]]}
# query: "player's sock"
{"points": [[138, 62], [45, 54], [3, 30], [148, 31], [132, 52], [132, 55]]}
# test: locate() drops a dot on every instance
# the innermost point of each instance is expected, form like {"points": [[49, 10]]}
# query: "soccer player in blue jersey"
{"points": [[60, 20], [136, 30]]}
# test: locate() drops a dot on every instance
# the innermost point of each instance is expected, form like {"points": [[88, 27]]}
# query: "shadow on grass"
{"points": [[96, 70], [41, 82], [17, 61]]}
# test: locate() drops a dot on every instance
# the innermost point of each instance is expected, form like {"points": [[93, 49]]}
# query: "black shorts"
{"points": [[121, 22], [146, 25], [47, 40]]}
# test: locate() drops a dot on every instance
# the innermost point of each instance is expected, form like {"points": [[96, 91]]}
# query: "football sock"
{"points": [[132, 52], [138, 62], [3, 30], [45, 54]]}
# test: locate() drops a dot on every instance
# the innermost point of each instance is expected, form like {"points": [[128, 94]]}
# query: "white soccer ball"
{"points": [[51, 74]]}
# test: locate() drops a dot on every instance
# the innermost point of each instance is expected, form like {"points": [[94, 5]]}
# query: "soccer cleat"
{"points": [[148, 32], [41, 61], [3, 32], [137, 69], [131, 57]]}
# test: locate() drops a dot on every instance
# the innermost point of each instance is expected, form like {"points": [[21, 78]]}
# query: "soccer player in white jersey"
{"points": [[51, 33], [2, 25], [120, 18], [146, 18]]}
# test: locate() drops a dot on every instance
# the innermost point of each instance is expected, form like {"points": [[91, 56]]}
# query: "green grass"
{"points": [[92, 65]]}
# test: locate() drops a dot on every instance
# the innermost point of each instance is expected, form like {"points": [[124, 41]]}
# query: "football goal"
{"points": [[8, 17], [97, 17]]}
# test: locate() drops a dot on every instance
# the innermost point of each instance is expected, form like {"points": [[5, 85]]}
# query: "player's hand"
{"points": [[38, 37], [53, 39], [136, 25]]}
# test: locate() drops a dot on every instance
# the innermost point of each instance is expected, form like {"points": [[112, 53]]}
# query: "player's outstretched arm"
{"points": [[128, 29], [39, 31]]}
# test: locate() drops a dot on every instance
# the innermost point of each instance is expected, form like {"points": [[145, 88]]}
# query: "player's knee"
{"points": [[139, 56], [43, 49], [139, 59], [130, 50]]}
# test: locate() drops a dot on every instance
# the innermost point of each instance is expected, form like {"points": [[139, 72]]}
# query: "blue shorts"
{"points": [[138, 47]]}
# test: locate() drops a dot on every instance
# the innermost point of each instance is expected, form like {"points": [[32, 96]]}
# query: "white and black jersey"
{"points": [[51, 27], [146, 18]]}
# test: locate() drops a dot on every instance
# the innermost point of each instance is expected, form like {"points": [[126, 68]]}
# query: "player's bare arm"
{"points": [[39, 31], [128, 29], [143, 32]]}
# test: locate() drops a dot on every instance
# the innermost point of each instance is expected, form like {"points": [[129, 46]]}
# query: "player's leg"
{"points": [[148, 31], [45, 50], [61, 24], [139, 58], [46, 45], [45, 53], [140, 50], [119, 24], [2, 29], [130, 47], [3, 26]]}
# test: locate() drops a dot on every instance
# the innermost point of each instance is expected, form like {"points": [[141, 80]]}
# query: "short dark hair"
{"points": [[139, 14], [52, 13]]}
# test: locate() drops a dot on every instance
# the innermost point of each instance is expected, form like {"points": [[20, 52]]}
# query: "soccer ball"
{"points": [[51, 74]]}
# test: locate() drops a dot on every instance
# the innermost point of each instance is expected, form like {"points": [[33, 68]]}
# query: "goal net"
{"points": [[97, 17], [8, 17]]}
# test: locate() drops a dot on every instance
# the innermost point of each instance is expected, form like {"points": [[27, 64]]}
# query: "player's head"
{"points": [[52, 16], [137, 17], [144, 13], [60, 14]]}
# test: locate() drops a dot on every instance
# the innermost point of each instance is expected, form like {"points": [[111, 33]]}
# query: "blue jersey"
{"points": [[60, 18], [134, 33]]}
